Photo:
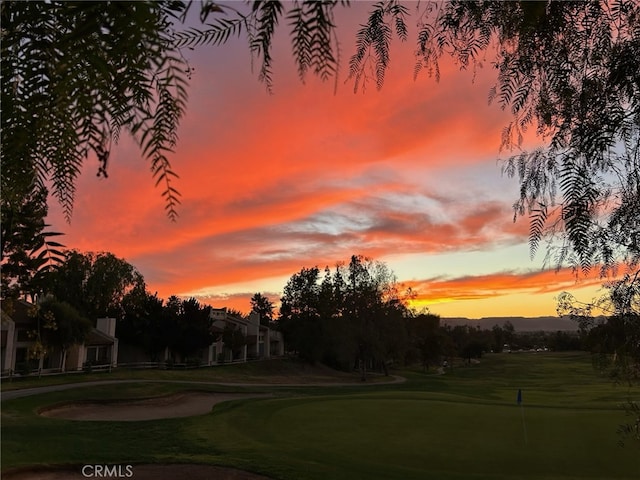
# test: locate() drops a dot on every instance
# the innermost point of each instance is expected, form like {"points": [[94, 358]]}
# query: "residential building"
{"points": [[261, 342], [18, 338]]}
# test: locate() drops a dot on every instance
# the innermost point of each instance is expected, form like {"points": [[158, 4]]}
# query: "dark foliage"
{"points": [[143, 322], [353, 316], [60, 325], [28, 250], [183, 326], [264, 307], [94, 283], [77, 74]]}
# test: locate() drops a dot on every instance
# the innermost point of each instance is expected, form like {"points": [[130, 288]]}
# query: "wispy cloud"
{"points": [[473, 287], [271, 184]]}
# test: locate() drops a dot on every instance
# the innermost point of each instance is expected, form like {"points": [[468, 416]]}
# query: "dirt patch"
{"points": [[137, 472], [185, 404]]}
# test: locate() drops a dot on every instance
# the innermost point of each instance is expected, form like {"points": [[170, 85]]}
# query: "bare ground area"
{"points": [[139, 472], [185, 404]]}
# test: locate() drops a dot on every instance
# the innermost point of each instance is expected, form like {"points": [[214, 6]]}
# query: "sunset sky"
{"points": [[409, 175]]}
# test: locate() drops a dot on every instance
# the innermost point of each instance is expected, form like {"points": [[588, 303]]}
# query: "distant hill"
{"points": [[521, 324]]}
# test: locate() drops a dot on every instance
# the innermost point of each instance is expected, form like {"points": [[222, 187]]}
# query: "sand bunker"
{"points": [[185, 404], [177, 405], [142, 472]]}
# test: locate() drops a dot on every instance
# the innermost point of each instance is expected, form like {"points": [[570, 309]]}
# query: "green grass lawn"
{"points": [[462, 425], [269, 371]]}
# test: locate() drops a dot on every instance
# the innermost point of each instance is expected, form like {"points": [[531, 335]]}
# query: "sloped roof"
{"points": [[19, 312], [96, 337]]}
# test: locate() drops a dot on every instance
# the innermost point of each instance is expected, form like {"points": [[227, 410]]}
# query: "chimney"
{"points": [[107, 325]]}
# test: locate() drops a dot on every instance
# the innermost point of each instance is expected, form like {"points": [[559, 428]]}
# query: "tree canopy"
{"points": [[58, 325], [67, 326], [263, 306], [143, 322], [28, 250], [355, 314], [94, 283], [150, 323]]}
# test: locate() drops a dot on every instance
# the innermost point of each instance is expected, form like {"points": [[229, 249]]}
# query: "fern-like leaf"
{"points": [[373, 41], [218, 33], [265, 18], [537, 221]]}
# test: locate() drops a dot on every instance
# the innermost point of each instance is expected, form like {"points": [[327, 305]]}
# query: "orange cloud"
{"points": [[475, 287], [273, 183], [246, 249]]}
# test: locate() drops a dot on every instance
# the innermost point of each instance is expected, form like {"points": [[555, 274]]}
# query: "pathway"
{"points": [[27, 392]]}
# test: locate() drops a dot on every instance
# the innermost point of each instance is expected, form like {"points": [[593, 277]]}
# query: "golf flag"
{"points": [[524, 426]]}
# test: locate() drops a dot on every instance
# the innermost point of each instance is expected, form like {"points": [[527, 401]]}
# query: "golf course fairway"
{"points": [[465, 424]]}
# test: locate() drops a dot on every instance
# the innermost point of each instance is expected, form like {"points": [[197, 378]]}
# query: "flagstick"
{"points": [[524, 425]]}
